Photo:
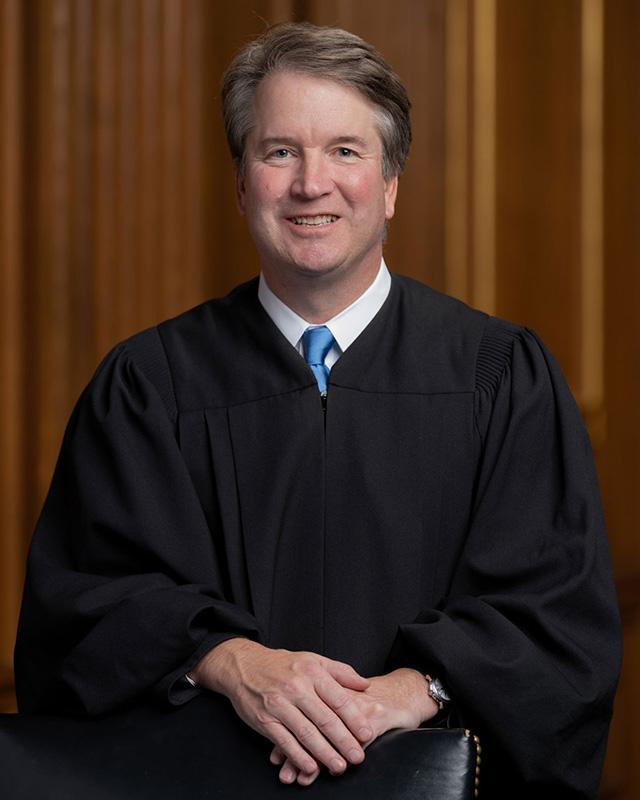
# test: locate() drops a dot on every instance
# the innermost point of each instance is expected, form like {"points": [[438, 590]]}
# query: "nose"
{"points": [[313, 177]]}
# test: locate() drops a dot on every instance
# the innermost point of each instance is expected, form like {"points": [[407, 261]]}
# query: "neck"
{"points": [[319, 298]]}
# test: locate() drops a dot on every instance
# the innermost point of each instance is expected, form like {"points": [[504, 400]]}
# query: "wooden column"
{"points": [[12, 366], [412, 37], [618, 458]]}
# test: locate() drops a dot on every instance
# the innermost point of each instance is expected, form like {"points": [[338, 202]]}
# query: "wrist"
{"points": [[424, 705], [216, 667]]}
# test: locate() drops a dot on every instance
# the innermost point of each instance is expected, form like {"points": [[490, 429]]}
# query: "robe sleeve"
{"points": [[528, 637], [123, 594]]}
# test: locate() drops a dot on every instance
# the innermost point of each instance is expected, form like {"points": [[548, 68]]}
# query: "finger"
{"points": [[277, 756], [306, 779], [346, 675], [301, 739], [290, 749], [290, 773], [322, 725], [346, 709]]}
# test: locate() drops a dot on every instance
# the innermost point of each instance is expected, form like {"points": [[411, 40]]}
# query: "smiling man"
{"points": [[313, 191], [342, 500]]}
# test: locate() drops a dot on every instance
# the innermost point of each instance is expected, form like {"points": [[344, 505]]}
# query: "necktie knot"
{"points": [[317, 343]]}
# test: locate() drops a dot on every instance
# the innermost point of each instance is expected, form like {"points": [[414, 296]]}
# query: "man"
{"points": [[337, 497]]}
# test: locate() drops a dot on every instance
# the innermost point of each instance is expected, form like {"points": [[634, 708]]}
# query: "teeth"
{"points": [[322, 219]]}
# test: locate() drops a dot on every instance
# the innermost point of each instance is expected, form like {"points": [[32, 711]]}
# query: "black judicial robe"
{"points": [[443, 511]]}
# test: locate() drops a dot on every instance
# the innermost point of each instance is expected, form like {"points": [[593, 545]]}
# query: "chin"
{"points": [[310, 262], [316, 269]]}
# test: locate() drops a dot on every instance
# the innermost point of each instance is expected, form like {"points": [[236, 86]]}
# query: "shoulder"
{"points": [[186, 342], [421, 300], [517, 378], [476, 350], [192, 338], [208, 322], [497, 347], [446, 337]]}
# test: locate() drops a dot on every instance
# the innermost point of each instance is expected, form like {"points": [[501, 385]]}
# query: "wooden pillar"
{"points": [[12, 365]]}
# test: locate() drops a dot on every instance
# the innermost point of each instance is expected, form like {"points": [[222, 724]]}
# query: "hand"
{"points": [[400, 699], [304, 703]]}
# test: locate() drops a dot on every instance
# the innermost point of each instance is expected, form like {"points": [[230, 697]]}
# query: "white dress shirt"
{"points": [[345, 326]]}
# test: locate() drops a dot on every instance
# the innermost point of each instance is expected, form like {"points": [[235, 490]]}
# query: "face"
{"points": [[313, 191]]}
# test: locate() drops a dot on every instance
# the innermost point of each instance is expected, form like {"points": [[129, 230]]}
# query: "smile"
{"points": [[321, 219]]}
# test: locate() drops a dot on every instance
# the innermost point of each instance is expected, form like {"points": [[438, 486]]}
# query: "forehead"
{"points": [[290, 102]]}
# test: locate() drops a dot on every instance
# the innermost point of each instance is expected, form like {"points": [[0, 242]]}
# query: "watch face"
{"points": [[438, 692]]}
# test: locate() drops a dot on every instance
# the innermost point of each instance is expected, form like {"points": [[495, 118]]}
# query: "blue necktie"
{"points": [[317, 343]]}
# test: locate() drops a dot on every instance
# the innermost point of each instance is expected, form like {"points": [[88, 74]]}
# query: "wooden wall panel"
{"points": [[621, 776], [456, 156], [539, 171], [121, 151], [618, 459], [483, 147], [591, 391], [470, 152], [412, 38], [12, 420]]}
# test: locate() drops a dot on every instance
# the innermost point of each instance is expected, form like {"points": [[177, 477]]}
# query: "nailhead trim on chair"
{"points": [[478, 759]]}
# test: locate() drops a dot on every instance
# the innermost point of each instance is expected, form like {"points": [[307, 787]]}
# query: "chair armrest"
{"points": [[203, 750]]}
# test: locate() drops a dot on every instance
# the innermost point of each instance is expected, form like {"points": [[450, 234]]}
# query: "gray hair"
{"points": [[325, 52]]}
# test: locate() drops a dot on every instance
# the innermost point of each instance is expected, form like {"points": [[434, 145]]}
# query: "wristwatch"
{"points": [[438, 691]]}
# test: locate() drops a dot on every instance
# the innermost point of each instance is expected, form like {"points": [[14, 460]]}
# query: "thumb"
{"points": [[346, 675]]}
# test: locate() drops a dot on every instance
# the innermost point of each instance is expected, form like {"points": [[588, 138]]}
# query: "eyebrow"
{"points": [[351, 140], [270, 141]]}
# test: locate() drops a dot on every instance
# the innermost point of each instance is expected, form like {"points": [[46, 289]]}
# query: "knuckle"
{"points": [[281, 740], [341, 701], [273, 703], [305, 733], [263, 719], [310, 667], [305, 665], [293, 688], [326, 722]]}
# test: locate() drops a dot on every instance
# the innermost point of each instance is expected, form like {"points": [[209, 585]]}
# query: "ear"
{"points": [[240, 189], [390, 194]]}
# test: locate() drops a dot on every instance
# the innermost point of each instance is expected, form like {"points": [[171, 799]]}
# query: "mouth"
{"points": [[318, 221]]}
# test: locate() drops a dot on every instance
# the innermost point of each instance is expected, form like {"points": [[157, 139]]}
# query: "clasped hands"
{"points": [[316, 711]]}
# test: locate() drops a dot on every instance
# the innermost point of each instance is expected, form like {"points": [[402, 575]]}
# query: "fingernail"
{"points": [[356, 756], [364, 734], [337, 765], [287, 776]]}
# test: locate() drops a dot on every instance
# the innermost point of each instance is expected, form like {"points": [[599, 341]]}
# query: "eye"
{"points": [[345, 152], [281, 152]]}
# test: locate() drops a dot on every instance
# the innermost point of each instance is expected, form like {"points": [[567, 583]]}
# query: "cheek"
{"points": [[363, 189], [270, 187]]}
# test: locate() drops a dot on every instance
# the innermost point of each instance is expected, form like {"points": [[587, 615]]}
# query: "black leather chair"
{"points": [[202, 750]]}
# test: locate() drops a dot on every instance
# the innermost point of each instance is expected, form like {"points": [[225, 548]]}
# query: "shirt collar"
{"points": [[345, 326]]}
